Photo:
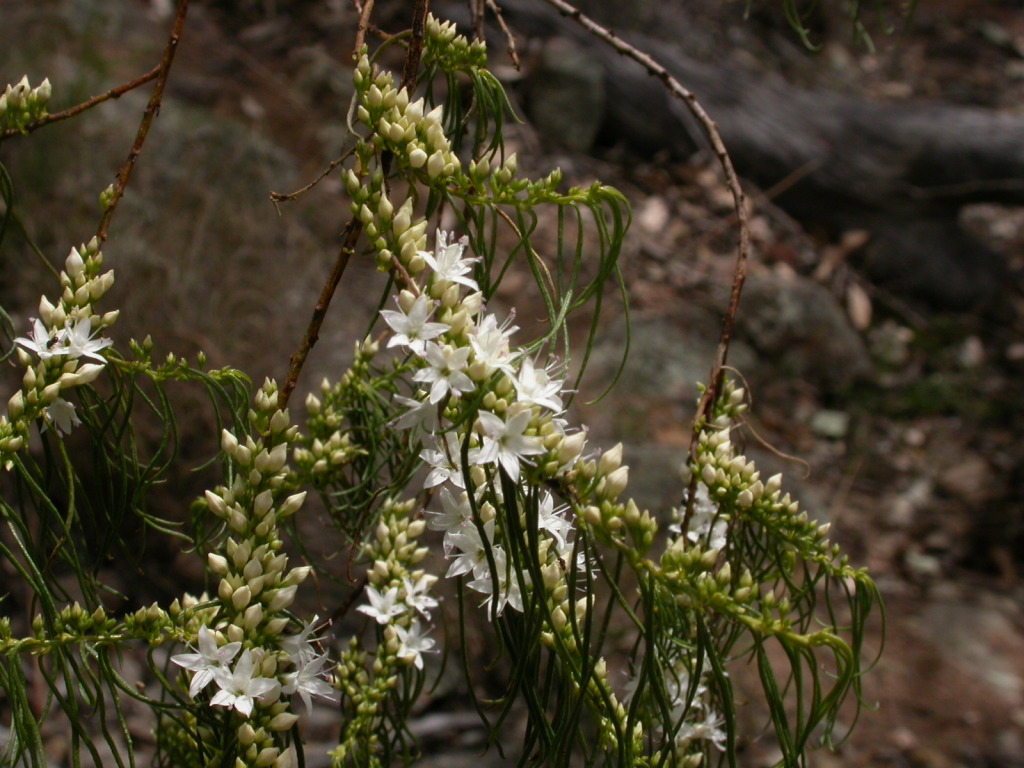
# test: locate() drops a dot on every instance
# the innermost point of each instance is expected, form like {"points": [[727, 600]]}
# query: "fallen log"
{"points": [[900, 171]]}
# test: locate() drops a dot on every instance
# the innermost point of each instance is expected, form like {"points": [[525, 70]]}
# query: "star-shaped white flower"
{"points": [[79, 341], [445, 462], [308, 681], [550, 519], [238, 688], [416, 593], [536, 387], [300, 648], [62, 415], [209, 659], [447, 261], [509, 590], [446, 372], [43, 341], [457, 515], [422, 414], [472, 557], [413, 643], [505, 442], [383, 607], [412, 329], [490, 343]]}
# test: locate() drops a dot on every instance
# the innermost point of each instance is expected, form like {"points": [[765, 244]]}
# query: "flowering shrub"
{"points": [[448, 421]]}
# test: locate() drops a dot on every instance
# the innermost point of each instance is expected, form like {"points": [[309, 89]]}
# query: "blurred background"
{"points": [[880, 333]]}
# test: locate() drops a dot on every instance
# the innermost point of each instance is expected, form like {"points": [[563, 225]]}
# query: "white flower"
{"points": [[509, 591], [62, 415], [447, 261], [445, 462], [413, 644], [382, 607], [490, 344], [238, 688], [550, 519], [43, 341], [308, 681], [209, 659], [709, 729], [416, 596], [535, 387], [300, 648], [457, 515], [411, 328], [472, 557], [78, 341], [505, 442], [422, 414], [446, 371], [706, 522]]}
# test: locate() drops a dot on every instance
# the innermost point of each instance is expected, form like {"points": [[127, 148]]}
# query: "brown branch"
{"points": [[113, 93], [674, 87], [508, 34], [354, 228], [152, 109], [415, 50], [298, 360], [362, 27], [281, 197]]}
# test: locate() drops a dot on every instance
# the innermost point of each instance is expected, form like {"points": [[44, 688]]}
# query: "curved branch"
{"points": [[113, 93], [152, 109]]}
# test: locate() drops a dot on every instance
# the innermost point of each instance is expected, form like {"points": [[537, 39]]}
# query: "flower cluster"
{"points": [[22, 104], [241, 648], [451, 50], [400, 603], [56, 350]]}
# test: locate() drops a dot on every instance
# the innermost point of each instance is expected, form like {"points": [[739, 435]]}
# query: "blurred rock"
{"points": [[799, 324]]}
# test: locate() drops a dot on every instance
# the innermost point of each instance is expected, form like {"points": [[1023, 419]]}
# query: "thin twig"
{"points": [[354, 228], [476, 13], [415, 51], [707, 401], [298, 359], [281, 197], [56, 117], [152, 109], [509, 37], [362, 26]]}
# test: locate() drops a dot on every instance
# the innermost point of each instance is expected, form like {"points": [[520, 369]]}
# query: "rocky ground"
{"points": [[907, 420]]}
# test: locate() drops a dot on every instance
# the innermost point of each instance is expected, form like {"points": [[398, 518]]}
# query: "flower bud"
{"points": [[610, 460]]}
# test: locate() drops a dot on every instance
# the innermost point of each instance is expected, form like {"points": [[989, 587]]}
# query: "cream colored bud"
{"points": [[51, 392], [291, 504], [84, 374], [616, 482], [246, 734], [218, 563], [267, 757], [240, 597], [282, 598], [610, 460], [263, 501], [745, 498], [16, 405], [435, 164], [707, 474], [283, 721], [74, 265], [253, 616], [237, 521]]}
